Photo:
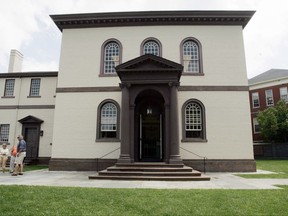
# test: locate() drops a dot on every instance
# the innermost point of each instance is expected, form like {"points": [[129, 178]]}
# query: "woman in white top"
{"points": [[4, 151]]}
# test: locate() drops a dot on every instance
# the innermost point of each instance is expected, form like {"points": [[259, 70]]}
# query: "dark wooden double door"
{"points": [[31, 135]]}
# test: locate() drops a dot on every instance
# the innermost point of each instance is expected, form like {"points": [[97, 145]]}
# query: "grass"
{"points": [[280, 167], [34, 167], [41, 200]]}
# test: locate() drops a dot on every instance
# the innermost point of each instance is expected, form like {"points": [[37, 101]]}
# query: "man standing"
{"points": [[21, 154]]}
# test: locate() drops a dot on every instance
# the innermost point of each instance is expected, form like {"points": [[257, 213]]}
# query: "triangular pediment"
{"points": [[149, 67], [30, 119]]}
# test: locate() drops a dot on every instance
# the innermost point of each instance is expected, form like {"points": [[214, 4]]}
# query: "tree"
{"points": [[273, 123]]}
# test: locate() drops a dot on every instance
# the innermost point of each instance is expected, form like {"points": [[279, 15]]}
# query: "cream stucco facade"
{"points": [[81, 88]]}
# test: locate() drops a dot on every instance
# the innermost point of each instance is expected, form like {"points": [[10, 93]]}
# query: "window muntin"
{"points": [[4, 132], [9, 87], [151, 47], [191, 61], [255, 100], [35, 87], [284, 94], [269, 97], [111, 57], [108, 125], [193, 115]]}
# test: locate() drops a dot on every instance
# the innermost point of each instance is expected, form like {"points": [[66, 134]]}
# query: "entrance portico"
{"points": [[149, 110]]}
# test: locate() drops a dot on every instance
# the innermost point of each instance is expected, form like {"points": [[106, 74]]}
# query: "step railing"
{"points": [[204, 158], [97, 159]]}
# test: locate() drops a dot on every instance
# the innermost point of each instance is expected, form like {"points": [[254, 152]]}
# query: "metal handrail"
{"points": [[204, 158], [97, 159]]}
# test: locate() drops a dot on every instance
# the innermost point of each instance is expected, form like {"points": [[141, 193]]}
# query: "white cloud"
{"points": [[32, 64], [25, 25]]}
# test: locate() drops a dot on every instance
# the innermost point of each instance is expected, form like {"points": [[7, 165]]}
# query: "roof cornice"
{"points": [[29, 74], [152, 18]]}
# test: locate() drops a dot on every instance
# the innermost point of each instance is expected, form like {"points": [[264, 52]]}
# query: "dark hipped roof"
{"points": [[150, 18], [269, 75]]}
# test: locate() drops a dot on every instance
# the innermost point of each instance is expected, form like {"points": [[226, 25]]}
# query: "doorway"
{"points": [[31, 128], [31, 134], [149, 126]]}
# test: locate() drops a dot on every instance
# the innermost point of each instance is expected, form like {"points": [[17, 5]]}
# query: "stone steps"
{"points": [[150, 171]]}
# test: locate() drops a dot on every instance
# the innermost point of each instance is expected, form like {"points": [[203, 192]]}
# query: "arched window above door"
{"points": [[151, 46]]}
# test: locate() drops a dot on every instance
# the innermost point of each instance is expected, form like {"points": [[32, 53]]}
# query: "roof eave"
{"points": [[152, 18]]}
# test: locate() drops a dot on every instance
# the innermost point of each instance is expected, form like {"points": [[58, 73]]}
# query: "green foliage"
{"points": [[273, 123], [41, 200]]}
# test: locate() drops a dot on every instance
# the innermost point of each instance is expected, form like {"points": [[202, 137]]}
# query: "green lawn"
{"points": [[42, 200], [34, 167], [28, 200], [280, 167]]}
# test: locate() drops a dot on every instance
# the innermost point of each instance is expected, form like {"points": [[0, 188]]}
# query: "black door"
{"points": [[31, 136], [150, 137]]}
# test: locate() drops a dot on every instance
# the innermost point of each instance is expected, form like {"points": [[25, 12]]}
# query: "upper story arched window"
{"points": [[111, 57], [191, 56], [151, 46]]}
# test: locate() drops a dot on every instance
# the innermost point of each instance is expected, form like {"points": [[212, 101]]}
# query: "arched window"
{"points": [[108, 120], [193, 113], [151, 46], [111, 57], [191, 56]]}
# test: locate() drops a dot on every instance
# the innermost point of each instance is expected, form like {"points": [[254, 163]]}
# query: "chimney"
{"points": [[15, 62]]}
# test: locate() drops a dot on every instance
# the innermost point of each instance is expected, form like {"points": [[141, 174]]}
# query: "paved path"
{"points": [[80, 179]]}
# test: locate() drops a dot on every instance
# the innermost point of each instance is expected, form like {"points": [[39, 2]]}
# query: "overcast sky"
{"points": [[25, 25]]}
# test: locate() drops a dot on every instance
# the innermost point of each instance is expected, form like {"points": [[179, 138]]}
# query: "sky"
{"points": [[25, 25]]}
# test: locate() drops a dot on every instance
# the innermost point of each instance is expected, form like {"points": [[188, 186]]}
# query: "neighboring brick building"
{"points": [[265, 90]]}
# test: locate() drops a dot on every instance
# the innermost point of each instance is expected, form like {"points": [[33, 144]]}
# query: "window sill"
{"points": [[8, 97], [108, 140], [194, 140], [33, 96], [108, 75], [192, 74]]}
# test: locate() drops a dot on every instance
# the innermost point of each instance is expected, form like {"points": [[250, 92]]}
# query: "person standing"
{"points": [[4, 151], [13, 152], [21, 154]]}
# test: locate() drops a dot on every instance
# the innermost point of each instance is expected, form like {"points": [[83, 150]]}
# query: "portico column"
{"points": [[174, 125], [125, 156]]}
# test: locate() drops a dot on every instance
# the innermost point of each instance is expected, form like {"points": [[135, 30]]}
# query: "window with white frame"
{"points": [[256, 126], [108, 125], [111, 57], [151, 47], [9, 88], [35, 87], [191, 58], [283, 94], [255, 100], [269, 97], [193, 114], [4, 132]]}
